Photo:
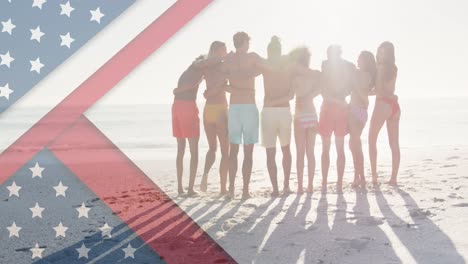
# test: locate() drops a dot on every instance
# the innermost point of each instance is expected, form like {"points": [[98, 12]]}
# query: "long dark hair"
{"points": [[370, 65], [274, 48], [390, 68]]}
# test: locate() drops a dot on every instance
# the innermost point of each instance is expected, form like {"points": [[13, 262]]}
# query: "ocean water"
{"points": [[431, 122]]}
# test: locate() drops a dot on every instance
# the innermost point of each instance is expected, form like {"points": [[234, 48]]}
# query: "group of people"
{"points": [[286, 78]]}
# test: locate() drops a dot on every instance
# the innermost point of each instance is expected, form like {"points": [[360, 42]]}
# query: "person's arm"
{"points": [[182, 89], [281, 100], [185, 87], [312, 89], [236, 91], [353, 78], [205, 63], [215, 92]]}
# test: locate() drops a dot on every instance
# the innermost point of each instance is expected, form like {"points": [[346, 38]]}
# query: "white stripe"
{"points": [[69, 75]]}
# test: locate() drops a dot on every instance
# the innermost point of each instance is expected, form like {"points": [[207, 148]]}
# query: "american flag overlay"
{"points": [[59, 220], [38, 35], [57, 204]]}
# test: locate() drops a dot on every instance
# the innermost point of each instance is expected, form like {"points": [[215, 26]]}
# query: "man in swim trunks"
{"points": [[276, 115], [243, 117], [338, 82], [186, 123]]}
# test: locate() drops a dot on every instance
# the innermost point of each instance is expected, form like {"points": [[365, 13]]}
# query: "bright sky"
{"points": [[430, 38]]}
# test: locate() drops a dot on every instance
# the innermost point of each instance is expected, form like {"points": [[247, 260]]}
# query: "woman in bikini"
{"points": [[305, 83], [386, 110], [215, 115], [365, 81]]}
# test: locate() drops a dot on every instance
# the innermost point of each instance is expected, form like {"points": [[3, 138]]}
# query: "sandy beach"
{"points": [[421, 221]]}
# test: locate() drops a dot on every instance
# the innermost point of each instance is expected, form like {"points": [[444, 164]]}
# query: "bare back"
{"points": [[386, 81], [337, 79], [360, 93], [241, 70], [216, 81], [277, 82], [307, 87]]}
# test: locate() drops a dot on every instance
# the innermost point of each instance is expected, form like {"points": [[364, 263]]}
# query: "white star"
{"points": [[36, 65], [96, 15], [14, 230], [8, 26], [38, 3], [129, 251], [83, 211], [36, 170], [83, 251], [66, 40], [14, 189], [6, 59], [36, 34], [5, 91], [36, 211], [60, 190], [106, 230], [60, 230], [36, 252], [66, 9]]}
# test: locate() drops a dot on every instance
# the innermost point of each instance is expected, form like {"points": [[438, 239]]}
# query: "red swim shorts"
{"points": [[185, 120], [333, 119]]}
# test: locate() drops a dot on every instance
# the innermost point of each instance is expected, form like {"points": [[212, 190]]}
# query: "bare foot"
{"points": [[223, 193], [286, 191], [275, 194], [324, 188], [310, 189], [181, 190], [192, 193], [246, 196], [392, 182], [355, 183], [363, 184], [204, 183], [339, 188], [231, 195], [300, 191], [374, 180]]}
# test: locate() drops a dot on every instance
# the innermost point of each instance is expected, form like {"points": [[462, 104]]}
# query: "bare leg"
{"points": [[224, 146], [360, 163], [325, 161], [310, 146], [300, 138], [247, 169], [340, 162], [352, 147], [193, 145], [380, 114], [355, 131], [393, 125], [233, 152], [272, 170], [180, 163], [287, 159], [210, 130]]}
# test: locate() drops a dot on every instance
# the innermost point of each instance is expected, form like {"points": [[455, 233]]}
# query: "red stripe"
{"points": [[103, 80], [138, 201]]}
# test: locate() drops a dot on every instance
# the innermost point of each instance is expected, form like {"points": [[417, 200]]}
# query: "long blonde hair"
{"points": [[300, 56], [215, 46]]}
